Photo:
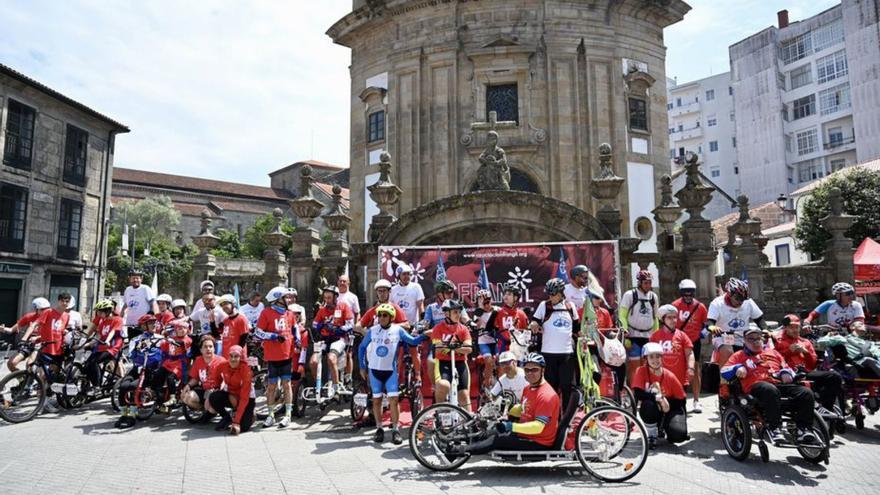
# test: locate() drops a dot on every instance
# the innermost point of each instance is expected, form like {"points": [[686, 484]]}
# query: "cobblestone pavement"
{"points": [[80, 452]]}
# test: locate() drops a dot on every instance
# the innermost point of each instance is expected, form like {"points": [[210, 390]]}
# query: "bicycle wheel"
{"points": [[76, 386], [359, 410], [434, 431], [627, 400], [611, 444], [22, 396], [147, 402]]}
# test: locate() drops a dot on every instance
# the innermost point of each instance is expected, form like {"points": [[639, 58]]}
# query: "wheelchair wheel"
{"points": [[819, 453], [611, 444], [434, 430], [736, 432]]}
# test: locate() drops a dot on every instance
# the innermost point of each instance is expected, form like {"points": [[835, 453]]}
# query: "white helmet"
{"points": [[687, 284], [226, 298], [652, 348], [165, 298], [382, 284], [290, 291], [404, 268], [178, 303], [667, 309], [41, 303], [206, 283], [275, 294], [72, 303]]}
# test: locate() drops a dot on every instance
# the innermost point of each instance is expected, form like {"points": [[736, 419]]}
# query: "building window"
{"points": [[76, 155], [783, 256], [669, 106], [834, 99], [827, 35], [504, 100], [712, 122], [838, 164], [69, 229], [801, 76], [678, 102], [713, 146], [735, 170], [788, 143], [671, 154], [807, 142], [810, 170], [377, 126], [716, 172], [796, 48], [19, 135], [733, 141], [730, 90], [803, 107], [831, 67], [638, 114], [13, 219], [710, 95]]}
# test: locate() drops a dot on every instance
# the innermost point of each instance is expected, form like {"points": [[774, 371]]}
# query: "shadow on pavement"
{"points": [[516, 476]]}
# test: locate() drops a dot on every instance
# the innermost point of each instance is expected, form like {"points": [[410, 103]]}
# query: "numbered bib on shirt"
{"points": [[337, 314], [729, 339]]}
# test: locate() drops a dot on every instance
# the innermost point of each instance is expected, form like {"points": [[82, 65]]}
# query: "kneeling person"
{"points": [[237, 393], [194, 393], [377, 355], [661, 398]]}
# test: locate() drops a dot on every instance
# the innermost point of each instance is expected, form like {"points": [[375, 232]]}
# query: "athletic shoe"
{"points": [[379, 436], [697, 409], [270, 420], [223, 425], [396, 438], [285, 421]]}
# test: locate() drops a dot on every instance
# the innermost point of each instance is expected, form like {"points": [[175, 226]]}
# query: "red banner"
{"points": [[527, 265]]}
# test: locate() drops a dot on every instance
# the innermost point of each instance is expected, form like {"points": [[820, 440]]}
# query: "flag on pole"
{"points": [[745, 276], [562, 271], [483, 279], [235, 293], [441, 269], [346, 269], [155, 284]]}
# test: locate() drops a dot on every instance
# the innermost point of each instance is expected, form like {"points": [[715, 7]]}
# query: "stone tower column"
{"points": [[666, 214], [306, 242], [336, 248], [276, 263], [839, 249], [697, 244], [204, 263]]}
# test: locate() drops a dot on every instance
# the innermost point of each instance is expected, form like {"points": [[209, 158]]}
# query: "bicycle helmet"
{"points": [[146, 319], [484, 293], [652, 348], [104, 305], [205, 284], [579, 269], [450, 304], [165, 298], [178, 303], [554, 286], [644, 275], [331, 288], [275, 294], [667, 309], [404, 268], [226, 298], [515, 289], [290, 291], [387, 309], [842, 289], [41, 303], [444, 286], [737, 287], [687, 285], [753, 328], [71, 304], [382, 284], [535, 358]]}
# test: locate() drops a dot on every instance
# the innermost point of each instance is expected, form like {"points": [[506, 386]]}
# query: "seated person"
{"points": [[853, 348], [175, 350], [512, 377], [798, 352], [538, 416], [765, 375], [194, 393], [661, 398]]}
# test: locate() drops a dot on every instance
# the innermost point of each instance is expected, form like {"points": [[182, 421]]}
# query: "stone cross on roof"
{"points": [[493, 123]]}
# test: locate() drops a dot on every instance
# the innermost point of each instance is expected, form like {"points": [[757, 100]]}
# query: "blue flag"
{"points": [[441, 269], [562, 271], [483, 279], [237, 297], [745, 276]]}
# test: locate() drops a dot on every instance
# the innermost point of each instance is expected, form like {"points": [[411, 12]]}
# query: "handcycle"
{"points": [[320, 393], [24, 393], [146, 358], [742, 422], [610, 443]]}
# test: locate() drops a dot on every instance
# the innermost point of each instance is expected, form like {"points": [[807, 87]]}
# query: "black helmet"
{"points": [[513, 288], [444, 286], [554, 286], [450, 304], [578, 269]]}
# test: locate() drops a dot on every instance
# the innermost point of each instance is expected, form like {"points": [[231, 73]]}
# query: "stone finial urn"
{"points": [[205, 241], [606, 185], [695, 195], [275, 239], [384, 192], [306, 207], [336, 220], [668, 211]]}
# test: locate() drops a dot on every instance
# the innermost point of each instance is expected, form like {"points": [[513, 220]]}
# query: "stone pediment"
{"points": [[372, 92], [502, 41]]}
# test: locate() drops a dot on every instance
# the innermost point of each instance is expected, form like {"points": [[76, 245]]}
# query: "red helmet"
{"points": [[737, 287], [146, 319], [644, 275]]}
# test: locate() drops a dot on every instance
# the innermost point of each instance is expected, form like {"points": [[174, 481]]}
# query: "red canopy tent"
{"points": [[867, 267]]}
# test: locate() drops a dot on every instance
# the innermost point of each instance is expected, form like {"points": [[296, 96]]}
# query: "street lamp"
{"points": [[782, 203]]}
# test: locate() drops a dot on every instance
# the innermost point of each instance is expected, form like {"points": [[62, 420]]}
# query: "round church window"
{"points": [[643, 228]]}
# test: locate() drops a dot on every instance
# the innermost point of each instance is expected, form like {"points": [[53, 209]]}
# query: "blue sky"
{"points": [[233, 90]]}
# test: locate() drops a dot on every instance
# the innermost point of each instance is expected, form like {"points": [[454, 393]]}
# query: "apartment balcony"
{"points": [[685, 134], [840, 143], [692, 107]]}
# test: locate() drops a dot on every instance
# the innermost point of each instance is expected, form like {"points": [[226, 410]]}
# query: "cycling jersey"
{"points": [[106, 326], [675, 345], [205, 373], [237, 382], [736, 319], [378, 350], [443, 334], [174, 354], [333, 321], [670, 386], [759, 367], [558, 327], [52, 327], [542, 404], [434, 314], [838, 315], [274, 322], [507, 319], [369, 318], [233, 331], [694, 314]]}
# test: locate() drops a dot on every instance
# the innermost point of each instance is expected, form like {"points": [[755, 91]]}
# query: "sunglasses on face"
{"points": [[531, 370], [754, 339]]}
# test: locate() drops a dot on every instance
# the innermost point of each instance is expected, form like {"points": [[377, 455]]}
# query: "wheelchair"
{"points": [[742, 424]]}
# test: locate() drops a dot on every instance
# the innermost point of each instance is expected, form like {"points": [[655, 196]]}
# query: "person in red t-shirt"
{"points": [[335, 321], [443, 334], [51, 328], [235, 328], [237, 393], [538, 414], [798, 352], [661, 398], [276, 327], [692, 316], [24, 326], [174, 359], [201, 376], [107, 329], [508, 317], [678, 353]]}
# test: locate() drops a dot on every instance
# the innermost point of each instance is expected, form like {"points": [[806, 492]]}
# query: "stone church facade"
{"points": [[562, 77]]}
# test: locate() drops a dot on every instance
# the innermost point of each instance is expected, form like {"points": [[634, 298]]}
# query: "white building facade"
{"points": [[806, 98], [701, 120]]}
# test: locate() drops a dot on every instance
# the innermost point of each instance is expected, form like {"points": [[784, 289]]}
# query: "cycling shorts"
{"points": [[50, 359], [279, 370], [443, 371], [635, 348], [337, 347], [384, 381]]}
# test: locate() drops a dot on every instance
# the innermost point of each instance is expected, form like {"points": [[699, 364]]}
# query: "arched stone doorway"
{"points": [[493, 217]]}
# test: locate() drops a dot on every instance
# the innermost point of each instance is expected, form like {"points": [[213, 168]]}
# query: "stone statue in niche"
{"points": [[494, 172]]}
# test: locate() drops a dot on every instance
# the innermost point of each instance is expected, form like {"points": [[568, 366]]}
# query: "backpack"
{"points": [[572, 312], [635, 300]]}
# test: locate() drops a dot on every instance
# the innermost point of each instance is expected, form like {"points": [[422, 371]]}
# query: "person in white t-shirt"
{"points": [[252, 308], [206, 287], [841, 311], [138, 298], [729, 317], [408, 295], [75, 320], [206, 321], [638, 316], [556, 320], [576, 291], [512, 377], [349, 298]]}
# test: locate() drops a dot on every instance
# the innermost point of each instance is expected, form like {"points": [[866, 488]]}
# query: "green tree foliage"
{"points": [[860, 190], [230, 245], [155, 217], [254, 243]]}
